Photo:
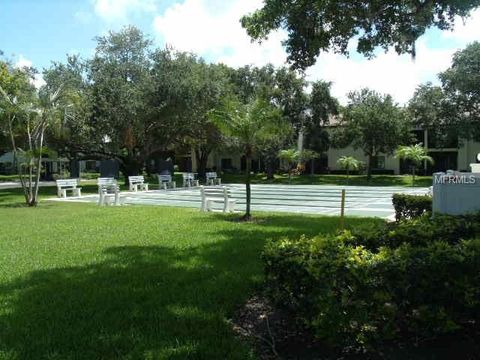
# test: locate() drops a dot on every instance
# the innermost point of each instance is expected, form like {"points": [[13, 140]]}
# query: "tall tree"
{"points": [[248, 125], [208, 86], [430, 109], [119, 74], [373, 123], [324, 107], [321, 25], [461, 85], [28, 115], [75, 138], [282, 88]]}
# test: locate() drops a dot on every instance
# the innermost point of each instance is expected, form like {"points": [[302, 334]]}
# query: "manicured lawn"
{"points": [[6, 178], [82, 282]]}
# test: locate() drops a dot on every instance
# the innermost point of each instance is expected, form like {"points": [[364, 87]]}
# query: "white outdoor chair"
{"points": [[70, 185], [189, 180], [108, 190], [166, 181], [137, 183], [211, 195], [213, 179]]}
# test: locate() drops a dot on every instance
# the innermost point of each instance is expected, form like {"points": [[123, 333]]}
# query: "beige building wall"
{"points": [[215, 160], [391, 163], [467, 154]]}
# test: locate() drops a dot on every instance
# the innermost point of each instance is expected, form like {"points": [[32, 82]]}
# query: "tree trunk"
{"points": [[16, 164], [131, 167], [369, 167], [413, 176], [202, 160], [312, 167], [248, 158], [348, 175], [269, 169], [34, 200]]}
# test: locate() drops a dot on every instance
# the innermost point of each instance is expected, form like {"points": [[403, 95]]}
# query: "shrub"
{"points": [[419, 232], [411, 206], [356, 297], [90, 175]]}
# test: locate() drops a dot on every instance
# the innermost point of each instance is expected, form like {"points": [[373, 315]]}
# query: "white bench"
{"points": [[189, 180], [217, 194], [166, 181], [108, 190], [68, 184], [137, 183], [212, 179]]}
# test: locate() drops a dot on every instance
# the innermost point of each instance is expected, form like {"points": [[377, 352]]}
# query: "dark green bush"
{"points": [[351, 295], [411, 206], [419, 231]]}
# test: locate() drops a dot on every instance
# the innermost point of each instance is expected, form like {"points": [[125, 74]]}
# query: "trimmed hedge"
{"points": [[418, 232], [356, 297], [411, 206]]}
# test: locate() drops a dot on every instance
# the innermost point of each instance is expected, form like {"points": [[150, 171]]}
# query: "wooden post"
{"points": [[342, 211]]}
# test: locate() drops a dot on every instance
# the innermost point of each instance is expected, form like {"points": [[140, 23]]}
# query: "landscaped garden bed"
{"points": [[369, 289]]}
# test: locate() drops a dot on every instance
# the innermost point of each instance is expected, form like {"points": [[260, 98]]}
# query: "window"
{"points": [[378, 162], [226, 163]]}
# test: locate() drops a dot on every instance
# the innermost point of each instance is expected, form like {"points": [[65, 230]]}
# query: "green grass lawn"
{"points": [[135, 282]]}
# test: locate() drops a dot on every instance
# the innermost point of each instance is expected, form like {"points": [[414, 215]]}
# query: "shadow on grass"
{"points": [[143, 301]]}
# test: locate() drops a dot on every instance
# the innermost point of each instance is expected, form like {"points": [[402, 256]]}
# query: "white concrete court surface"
{"points": [[364, 201]]}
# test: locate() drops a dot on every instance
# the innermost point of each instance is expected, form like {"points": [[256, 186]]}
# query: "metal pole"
{"points": [[342, 211]]}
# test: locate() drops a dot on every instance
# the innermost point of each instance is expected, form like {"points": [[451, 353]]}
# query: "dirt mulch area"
{"points": [[276, 335], [274, 332]]}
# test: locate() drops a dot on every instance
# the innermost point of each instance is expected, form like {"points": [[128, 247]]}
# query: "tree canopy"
{"points": [[461, 86], [320, 25], [374, 123]]}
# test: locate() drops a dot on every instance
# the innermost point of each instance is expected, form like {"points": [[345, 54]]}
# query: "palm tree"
{"points": [[290, 156], [293, 156], [248, 125], [32, 120], [349, 163], [416, 154]]}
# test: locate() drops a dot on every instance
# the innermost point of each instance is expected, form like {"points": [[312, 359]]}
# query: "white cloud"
{"points": [[22, 62], [212, 28], [387, 73], [465, 31], [120, 10]]}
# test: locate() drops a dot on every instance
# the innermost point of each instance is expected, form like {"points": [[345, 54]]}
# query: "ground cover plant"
{"points": [[82, 282]]}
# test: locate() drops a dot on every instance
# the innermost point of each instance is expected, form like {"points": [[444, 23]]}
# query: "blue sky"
{"points": [[37, 32]]}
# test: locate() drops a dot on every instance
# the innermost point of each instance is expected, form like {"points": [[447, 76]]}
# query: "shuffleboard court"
{"points": [[366, 201]]}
